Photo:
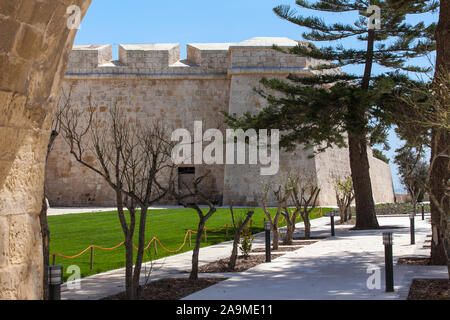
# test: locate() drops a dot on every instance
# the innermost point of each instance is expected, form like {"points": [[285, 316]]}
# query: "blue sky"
{"points": [[181, 21]]}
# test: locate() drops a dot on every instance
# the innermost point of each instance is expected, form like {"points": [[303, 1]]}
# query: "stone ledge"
{"points": [[162, 76], [239, 70]]}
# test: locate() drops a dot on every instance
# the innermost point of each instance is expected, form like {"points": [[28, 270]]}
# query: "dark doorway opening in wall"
{"points": [[186, 176], [186, 170]]}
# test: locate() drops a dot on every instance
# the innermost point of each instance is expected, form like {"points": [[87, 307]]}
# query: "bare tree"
{"points": [[192, 199], [305, 192], [413, 171], [281, 193], [239, 223], [345, 194], [291, 218], [134, 158]]}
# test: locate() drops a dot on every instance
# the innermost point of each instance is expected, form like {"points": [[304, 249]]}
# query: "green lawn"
{"points": [[71, 234]]}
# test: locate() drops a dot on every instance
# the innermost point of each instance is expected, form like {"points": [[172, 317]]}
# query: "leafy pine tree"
{"points": [[333, 108], [380, 155]]}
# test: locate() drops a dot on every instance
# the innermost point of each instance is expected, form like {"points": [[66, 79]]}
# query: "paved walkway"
{"points": [[57, 211], [334, 268]]}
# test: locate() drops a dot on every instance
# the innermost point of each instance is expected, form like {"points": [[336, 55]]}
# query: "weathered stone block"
{"points": [[20, 282], [8, 31], [24, 239], [16, 78], [35, 12], [13, 109], [4, 240], [29, 43], [8, 7]]}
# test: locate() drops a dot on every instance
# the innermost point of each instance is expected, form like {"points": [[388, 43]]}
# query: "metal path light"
{"points": [[423, 212], [267, 230], [332, 214], [388, 261], [55, 281], [412, 228]]}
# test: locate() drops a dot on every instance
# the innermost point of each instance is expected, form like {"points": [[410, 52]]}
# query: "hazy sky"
{"points": [[181, 21]]}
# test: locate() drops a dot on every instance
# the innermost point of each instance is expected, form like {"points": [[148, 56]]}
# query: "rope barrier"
{"points": [[174, 251], [214, 231], [92, 246], [188, 232]]}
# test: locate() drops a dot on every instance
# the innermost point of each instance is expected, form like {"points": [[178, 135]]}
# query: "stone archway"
{"points": [[34, 47]]}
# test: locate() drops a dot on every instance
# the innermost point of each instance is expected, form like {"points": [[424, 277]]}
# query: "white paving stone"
{"points": [[334, 268]]}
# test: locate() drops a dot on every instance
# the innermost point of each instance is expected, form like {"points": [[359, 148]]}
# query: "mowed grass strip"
{"points": [[73, 233]]}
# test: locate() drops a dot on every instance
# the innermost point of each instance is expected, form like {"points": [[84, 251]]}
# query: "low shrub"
{"points": [[247, 241], [397, 208]]}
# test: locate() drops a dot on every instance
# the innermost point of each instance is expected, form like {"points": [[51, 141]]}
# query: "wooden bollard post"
{"points": [[156, 248], [92, 258], [190, 233], [53, 259], [204, 231], [226, 233]]}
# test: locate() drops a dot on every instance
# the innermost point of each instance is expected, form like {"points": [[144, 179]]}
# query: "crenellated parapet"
{"points": [[210, 56], [203, 59], [86, 58], [155, 57], [258, 53]]}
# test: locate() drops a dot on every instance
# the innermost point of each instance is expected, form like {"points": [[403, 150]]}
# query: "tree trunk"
{"points": [[294, 226], [237, 236], [130, 292], [437, 183], [289, 235], [359, 164], [290, 226], [234, 252], [440, 174], [276, 237], [45, 231], [196, 251], [140, 253], [45, 245], [128, 232], [307, 226], [342, 212]]}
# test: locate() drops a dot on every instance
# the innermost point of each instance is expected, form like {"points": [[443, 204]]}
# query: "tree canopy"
{"points": [[332, 108]]}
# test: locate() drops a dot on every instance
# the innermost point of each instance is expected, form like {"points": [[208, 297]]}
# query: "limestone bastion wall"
{"points": [[34, 49], [151, 82]]}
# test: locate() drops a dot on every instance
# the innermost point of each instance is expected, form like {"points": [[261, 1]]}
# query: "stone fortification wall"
{"points": [[151, 82]]}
